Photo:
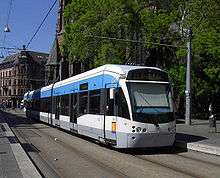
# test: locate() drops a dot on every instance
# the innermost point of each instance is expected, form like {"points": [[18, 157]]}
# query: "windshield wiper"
{"points": [[147, 103], [155, 120]]}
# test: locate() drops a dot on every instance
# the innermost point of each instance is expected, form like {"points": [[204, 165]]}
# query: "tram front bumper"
{"points": [[150, 140]]}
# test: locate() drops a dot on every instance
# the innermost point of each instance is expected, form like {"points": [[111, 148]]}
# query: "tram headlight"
{"points": [[138, 129]]}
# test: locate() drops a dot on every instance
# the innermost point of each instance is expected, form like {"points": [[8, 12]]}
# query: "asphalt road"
{"points": [[61, 154]]}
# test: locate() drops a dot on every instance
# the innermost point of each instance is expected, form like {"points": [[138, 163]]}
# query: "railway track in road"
{"points": [[43, 167], [118, 163], [55, 173], [200, 160], [173, 168], [178, 157]]}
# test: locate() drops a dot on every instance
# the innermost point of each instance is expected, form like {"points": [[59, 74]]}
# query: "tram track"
{"points": [[120, 173], [36, 158], [66, 146], [199, 160], [173, 168], [176, 168], [86, 156]]}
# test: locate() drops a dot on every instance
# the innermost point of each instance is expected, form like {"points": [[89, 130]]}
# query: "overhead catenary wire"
{"points": [[133, 41], [9, 12], [7, 22], [10, 48], [42, 22], [22, 78]]}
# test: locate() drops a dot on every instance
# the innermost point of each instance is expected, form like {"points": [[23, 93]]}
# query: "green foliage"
{"points": [[93, 18], [87, 21], [120, 19], [177, 75], [205, 21]]}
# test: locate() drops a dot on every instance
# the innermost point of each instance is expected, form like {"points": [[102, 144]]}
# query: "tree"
{"points": [[137, 20], [204, 17], [144, 25]]}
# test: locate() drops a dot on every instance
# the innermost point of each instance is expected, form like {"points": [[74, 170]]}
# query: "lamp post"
{"points": [[188, 79]]}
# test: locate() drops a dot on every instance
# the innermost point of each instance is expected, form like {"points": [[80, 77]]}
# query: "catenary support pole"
{"points": [[188, 80]]}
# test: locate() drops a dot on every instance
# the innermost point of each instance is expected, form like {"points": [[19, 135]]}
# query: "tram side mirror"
{"points": [[110, 106], [111, 93]]}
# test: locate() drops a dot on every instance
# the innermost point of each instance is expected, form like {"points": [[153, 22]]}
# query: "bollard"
{"points": [[212, 123]]}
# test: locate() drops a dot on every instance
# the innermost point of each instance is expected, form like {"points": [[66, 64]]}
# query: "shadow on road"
{"points": [[14, 120], [152, 151], [187, 138], [29, 147]]}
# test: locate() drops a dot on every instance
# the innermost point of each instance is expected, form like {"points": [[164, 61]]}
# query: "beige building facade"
{"points": [[20, 73]]}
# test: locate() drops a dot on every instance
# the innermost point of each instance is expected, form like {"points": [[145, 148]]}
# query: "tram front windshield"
{"points": [[151, 102]]}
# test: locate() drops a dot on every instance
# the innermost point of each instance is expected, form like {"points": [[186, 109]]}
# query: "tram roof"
{"points": [[111, 68]]}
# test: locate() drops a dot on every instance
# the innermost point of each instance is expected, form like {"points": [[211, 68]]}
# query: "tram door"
{"points": [[73, 104], [57, 112], [109, 113], [73, 112]]}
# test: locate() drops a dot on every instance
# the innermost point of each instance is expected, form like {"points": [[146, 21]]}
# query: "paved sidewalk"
{"points": [[197, 137], [14, 162]]}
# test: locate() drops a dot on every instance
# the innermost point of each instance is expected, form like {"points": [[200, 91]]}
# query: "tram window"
{"points": [[33, 104], [49, 104], [122, 105], [53, 107], [65, 105], [44, 104], [36, 105], [83, 102], [94, 102]]}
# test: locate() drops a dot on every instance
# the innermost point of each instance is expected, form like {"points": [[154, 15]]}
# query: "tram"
{"points": [[121, 105]]}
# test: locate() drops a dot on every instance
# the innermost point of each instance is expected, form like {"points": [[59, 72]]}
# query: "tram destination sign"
{"points": [[148, 74]]}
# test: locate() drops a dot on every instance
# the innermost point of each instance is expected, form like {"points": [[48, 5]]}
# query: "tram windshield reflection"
{"points": [[150, 100]]}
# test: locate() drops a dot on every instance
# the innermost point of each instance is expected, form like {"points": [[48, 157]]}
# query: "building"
{"points": [[57, 66], [19, 73]]}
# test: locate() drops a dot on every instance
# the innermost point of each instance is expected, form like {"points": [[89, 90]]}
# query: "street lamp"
{"points": [[7, 29]]}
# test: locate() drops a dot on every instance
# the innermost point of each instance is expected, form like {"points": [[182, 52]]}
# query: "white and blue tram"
{"points": [[124, 106]]}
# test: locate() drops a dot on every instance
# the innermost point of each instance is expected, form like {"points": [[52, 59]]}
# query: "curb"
{"points": [[25, 165], [200, 147]]}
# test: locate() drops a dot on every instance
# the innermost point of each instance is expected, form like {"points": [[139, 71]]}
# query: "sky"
{"points": [[25, 17]]}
